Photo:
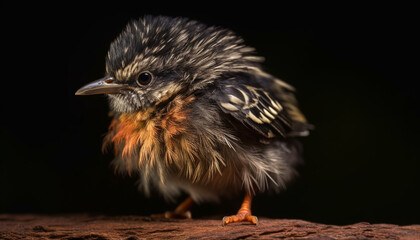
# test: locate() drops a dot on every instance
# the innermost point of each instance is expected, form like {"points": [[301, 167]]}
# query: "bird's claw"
{"points": [[240, 218]]}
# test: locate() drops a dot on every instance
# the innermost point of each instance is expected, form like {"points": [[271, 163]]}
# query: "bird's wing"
{"points": [[258, 110]]}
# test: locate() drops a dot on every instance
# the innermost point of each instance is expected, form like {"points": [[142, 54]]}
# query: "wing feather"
{"points": [[255, 108]]}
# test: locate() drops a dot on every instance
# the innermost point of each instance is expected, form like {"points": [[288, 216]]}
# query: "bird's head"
{"points": [[155, 58]]}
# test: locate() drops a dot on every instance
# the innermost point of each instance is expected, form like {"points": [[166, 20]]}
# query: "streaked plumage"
{"points": [[211, 123]]}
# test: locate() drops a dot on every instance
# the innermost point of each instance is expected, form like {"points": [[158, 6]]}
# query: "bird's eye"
{"points": [[144, 78]]}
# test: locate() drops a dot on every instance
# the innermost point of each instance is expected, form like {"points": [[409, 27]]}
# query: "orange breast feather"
{"points": [[151, 135]]}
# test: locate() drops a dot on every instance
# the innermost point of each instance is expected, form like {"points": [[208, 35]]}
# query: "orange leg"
{"points": [[182, 211], [244, 213]]}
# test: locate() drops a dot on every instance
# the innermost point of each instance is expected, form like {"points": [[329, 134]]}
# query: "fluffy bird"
{"points": [[193, 111]]}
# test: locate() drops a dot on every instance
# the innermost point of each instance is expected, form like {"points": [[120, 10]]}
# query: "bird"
{"points": [[194, 112]]}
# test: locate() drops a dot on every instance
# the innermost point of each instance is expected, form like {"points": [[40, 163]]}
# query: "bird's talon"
{"points": [[225, 221], [254, 220]]}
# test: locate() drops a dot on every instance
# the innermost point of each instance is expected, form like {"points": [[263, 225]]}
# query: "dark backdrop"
{"points": [[354, 68]]}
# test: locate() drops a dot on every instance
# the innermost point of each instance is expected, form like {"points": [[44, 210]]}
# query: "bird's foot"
{"points": [[240, 217], [244, 213], [181, 212], [173, 215]]}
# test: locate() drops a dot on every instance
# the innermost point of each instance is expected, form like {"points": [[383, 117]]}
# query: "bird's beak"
{"points": [[104, 85]]}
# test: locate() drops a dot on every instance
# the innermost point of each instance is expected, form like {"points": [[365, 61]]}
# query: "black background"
{"points": [[355, 68]]}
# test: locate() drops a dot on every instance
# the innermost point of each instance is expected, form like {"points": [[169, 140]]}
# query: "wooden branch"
{"points": [[81, 226]]}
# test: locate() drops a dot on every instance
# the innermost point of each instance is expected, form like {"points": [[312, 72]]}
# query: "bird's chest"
{"points": [[150, 136]]}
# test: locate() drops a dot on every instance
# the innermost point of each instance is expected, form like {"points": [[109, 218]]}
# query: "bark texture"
{"points": [[99, 227]]}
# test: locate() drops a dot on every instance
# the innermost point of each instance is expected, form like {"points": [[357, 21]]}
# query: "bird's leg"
{"points": [[182, 211], [244, 213]]}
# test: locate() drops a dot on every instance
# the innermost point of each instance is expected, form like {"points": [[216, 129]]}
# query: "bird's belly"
{"points": [[208, 188]]}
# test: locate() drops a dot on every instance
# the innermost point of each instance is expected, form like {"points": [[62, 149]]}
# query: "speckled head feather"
{"points": [[181, 54], [163, 44]]}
